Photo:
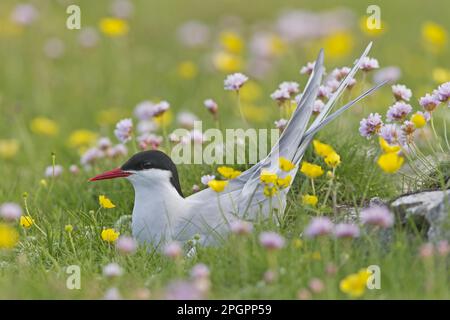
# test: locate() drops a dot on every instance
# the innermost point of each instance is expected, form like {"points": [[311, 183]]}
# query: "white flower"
{"points": [[123, 130], [235, 81], [112, 270]]}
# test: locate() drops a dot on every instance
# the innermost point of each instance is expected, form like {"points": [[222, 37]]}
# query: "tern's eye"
{"points": [[147, 165]]}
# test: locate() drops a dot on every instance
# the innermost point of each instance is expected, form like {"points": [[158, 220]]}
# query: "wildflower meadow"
{"points": [[202, 94]]}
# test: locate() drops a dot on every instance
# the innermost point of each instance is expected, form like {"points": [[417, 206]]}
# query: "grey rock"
{"points": [[428, 210]]}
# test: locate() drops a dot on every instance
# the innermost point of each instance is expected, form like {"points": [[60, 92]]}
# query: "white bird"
{"points": [[161, 214]]}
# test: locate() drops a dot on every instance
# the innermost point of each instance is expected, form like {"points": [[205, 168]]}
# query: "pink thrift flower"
{"points": [[271, 240], [401, 92], [346, 230], [241, 227], [370, 125], [429, 102], [398, 111], [123, 130], [126, 245], [368, 64], [10, 211], [173, 250], [235, 81], [377, 216], [319, 226]]}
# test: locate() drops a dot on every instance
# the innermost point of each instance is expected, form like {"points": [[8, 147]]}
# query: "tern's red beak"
{"points": [[114, 173]]}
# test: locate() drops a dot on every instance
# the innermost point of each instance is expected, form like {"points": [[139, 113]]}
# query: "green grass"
{"points": [[120, 73]]}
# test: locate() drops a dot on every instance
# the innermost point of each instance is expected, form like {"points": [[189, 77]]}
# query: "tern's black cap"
{"points": [[153, 159]]}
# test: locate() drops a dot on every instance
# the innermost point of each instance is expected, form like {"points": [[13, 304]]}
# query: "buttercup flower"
{"points": [[390, 162], [371, 125], [333, 159], [355, 284], [285, 164], [187, 70], [419, 119], [113, 27], [8, 148], [123, 130], [386, 147], [235, 81], [10, 211], [284, 182], [377, 216], [109, 235], [312, 171], [270, 191], [217, 185], [268, 177], [310, 200], [228, 173], [26, 222], [319, 226], [68, 228], [271, 240], [398, 111], [44, 126], [105, 202], [8, 236], [401, 92]]}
